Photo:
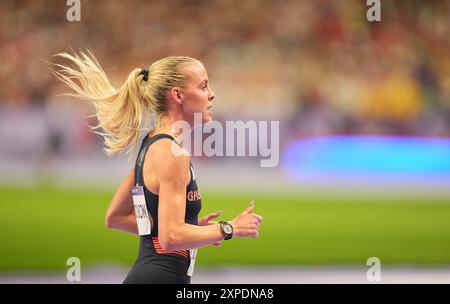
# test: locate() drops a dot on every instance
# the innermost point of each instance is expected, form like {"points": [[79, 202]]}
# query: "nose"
{"points": [[211, 96]]}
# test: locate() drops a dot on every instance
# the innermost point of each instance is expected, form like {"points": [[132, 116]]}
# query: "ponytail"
{"points": [[122, 112]]}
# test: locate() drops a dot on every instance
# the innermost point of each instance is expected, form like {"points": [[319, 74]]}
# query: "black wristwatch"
{"points": [[226, 229]]}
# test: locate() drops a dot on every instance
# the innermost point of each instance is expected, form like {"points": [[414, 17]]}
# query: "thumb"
{"points": [[249, 208]]}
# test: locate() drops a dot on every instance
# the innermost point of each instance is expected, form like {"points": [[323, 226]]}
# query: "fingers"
{"points": [[249, 208], [207, 218], [258, 217], [251, 230], [248, 222], [253, 233], [213, 215]]}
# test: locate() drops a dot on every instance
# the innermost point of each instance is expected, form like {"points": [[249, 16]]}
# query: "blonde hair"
{"points": [[121, 112]]}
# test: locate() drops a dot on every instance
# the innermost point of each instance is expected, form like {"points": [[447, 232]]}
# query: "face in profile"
{"points": [[197, 95]]}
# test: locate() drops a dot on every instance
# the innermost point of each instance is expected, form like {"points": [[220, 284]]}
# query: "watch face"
{"points": [[227, 229]]}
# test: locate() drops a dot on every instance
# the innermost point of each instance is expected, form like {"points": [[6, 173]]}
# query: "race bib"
{"points": [[193, 254], [140, 209]]}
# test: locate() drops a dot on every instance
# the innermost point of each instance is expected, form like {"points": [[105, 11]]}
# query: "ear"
{"points": [[177, 95]]}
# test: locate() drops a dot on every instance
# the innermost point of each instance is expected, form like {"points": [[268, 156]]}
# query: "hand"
{"points": [[207, 220], [247, 223]]}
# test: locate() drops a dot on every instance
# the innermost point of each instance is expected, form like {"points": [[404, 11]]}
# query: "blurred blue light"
{"points": [[365, 155]]}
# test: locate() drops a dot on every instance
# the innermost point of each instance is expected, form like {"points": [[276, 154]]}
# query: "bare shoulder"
{"points": [[170, 161]]}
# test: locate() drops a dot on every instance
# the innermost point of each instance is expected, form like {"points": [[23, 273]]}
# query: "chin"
{"points": [[208, 117]]}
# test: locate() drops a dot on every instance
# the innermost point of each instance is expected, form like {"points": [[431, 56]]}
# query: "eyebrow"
{"points": [[203, 81]]}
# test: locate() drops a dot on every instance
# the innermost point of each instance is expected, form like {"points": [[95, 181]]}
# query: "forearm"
{"points": [[187, 236], [120, 214], [125, 223]]}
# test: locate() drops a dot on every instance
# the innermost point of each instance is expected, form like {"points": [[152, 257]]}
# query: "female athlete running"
{"points": [[170, 90]]}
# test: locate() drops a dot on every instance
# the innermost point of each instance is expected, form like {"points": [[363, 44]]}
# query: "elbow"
{"points": [[168, 242], [109, 221]]}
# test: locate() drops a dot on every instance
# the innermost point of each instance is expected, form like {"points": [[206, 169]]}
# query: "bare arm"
{"points": [[174, 233], [120, 214]]}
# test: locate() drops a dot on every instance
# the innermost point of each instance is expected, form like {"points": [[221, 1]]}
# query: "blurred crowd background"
{"points": [[317, 66]]}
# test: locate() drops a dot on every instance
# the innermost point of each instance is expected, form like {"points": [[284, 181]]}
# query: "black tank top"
{"points": [[149, 244]]}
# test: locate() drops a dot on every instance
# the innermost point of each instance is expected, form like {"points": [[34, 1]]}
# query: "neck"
{"points": [[166, 126]]}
